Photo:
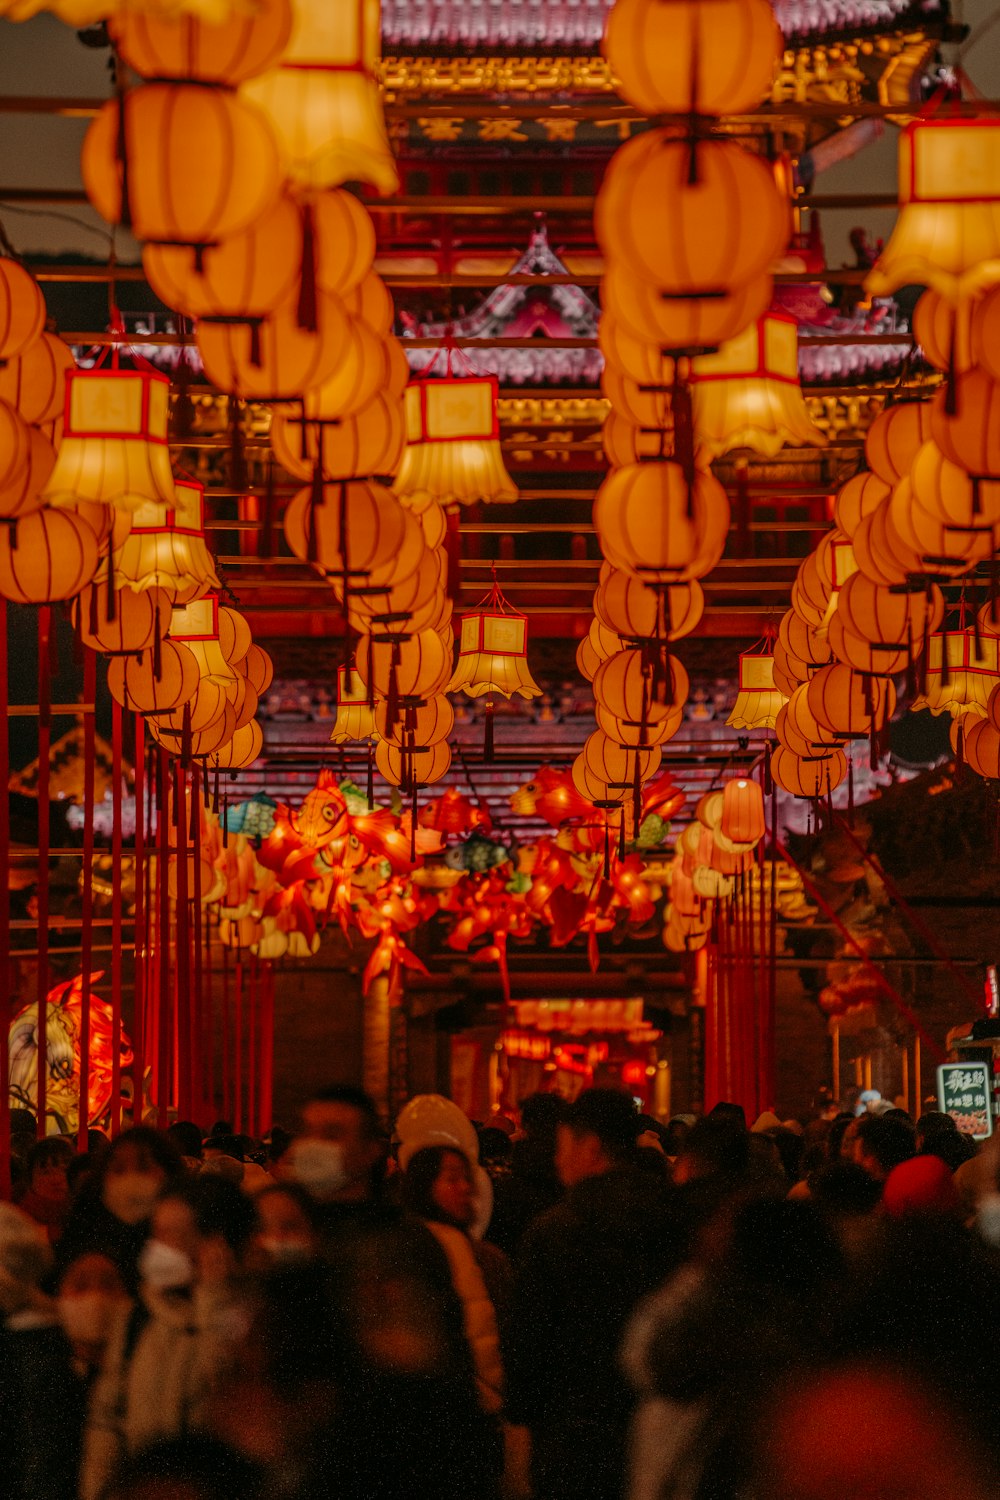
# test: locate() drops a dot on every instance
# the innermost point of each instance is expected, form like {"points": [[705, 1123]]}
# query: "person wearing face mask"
{"points": [[111, 1213], [89, 1299], [166, 1356], [339, 1154], [287, 1225], [40, 1456]]}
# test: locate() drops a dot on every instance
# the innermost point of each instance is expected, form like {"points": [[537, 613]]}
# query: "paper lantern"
{"points": [[709, 234], [647, 404], [803, 642], [848, 703], [324, 100], [810, 592], [814, 777], [947, 235], [947, 492], [597, 646], [414, 667], [945, 332], [895, 437], [596, 788], [172, 732], [368, 443], [169, 553], [941, 547], [635, 611], [627, 442], [275, 359], [969, 436], [23, 482], [690, 58], [787, 671], [243, 276], [798, 729], [355, 714], [640, 359], [650, 526], [984, 329], [878, 658], [961, 674], [138, 619], [22, 309], [689, 324], [748, 394], [452, 454], [493, 652], [201, 163], [629, 733], [981, 748], [857, 499], [15, 452], [34, 382], [619, 767], [370, 518], [885, 559], [417, 603], [887, 618], [742, 811], [135, 683], [635, 687], [114, 447], [418, 726], [360, 373], [197, 626], [52, 556], [757, 698], [409, 770], [258, 669], [180, 47], [240, 752]]}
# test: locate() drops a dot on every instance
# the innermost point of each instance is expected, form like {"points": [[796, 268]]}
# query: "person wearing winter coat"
{"points": [[582, 1268]]}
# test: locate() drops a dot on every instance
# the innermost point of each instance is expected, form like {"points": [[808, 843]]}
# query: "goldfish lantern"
{"points": [[650, 524], [51, 556], [757, 699], [114, 446], [690, 219], [452, 454], [947, 235], [493, 656], [189, 166], [748, 394], [324, 100], [689, 58]]}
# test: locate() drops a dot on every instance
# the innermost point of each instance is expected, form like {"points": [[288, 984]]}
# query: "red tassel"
{"points": [[157, 657], [237, 456], [94, 621], [392, 696], [342, 529], [959, 751], [371, 774], [121, 145], [308, 304], [186, 736], [607, 848], [488, 748], [182, 410], [453, 549], [621, 834], [413, 818], [850, 790], [256, 355], [684, 436], [945, 664], [636, 796]]}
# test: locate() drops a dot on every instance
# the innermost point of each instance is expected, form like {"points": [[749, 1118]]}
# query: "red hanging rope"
{"points": [[238, 1000], [165, 1016], [266, 1104], [182, 960], [42, 899], [253, 1006], [87, 896], [199, 1092], [116, 916], [5, 987], [140, 943]]}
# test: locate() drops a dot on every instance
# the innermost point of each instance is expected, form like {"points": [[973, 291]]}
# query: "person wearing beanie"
{"points": [[922, 1185]]}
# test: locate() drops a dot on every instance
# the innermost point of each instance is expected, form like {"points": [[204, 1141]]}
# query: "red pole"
{"points": [[266, 1119], [141, 940], [116, 916], [87, 895], [182, 961], [197, 992], [42, 899], [238, 1047], [5, 994], [253, 1012], [165, 1008]]}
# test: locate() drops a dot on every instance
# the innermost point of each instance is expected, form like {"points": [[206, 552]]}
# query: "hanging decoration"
{"points": [[493, 656]]}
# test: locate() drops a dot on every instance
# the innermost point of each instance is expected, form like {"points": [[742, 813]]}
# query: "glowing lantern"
{"points": [[355, 715], [179, 47], [417, 603], [895, 437], [690, 324], [814, 777], [878, 658], [857, 499], [803, 642], [981, 747], [638, 689], [198, 626], [797, 728], [169, 553], [757, 699], [644, 403], [848, 703], [275, 358], [493, 656], [452, 453], [961, 673], [419, 726], [949, 494], [599, 643], [361, 372], [52, 556], [628, 732], [404, 667], [138, 619], [748, 394], [370, 442], [22, 484], [258, 669], [355, 531], [619, 767], [15, 452], [690, 231], [34, 382], [947, 332], [410, 769], [627, 442], [22, 309], [175, 733], [243, 276], [324, 100], [947, 235], [114, 447], [241, 751], [788, 672], [693, 58], [889, 620], [635, 611], [941, 547], [983, 332], [650, 525], [969, 437], [742, 811], [199, 163]]}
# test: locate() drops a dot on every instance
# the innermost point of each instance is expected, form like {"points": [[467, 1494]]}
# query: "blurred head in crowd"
{"points": [[438, 1185], [186, 1137], [598, 1134], [47, 1164], [883, 1141], [25, 1259], [90, 1295], [134, 1171], [200, 1232], [287, 1230], [340, 1147]]}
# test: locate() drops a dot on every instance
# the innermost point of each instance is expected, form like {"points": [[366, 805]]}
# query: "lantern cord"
{"points": [[959, 751], [768, 777], [453, 551], [307, 308], [238, 993], [488, 747], [199, 1099], [636, 798], [850, 790], [607, 847], [164, 1008], [121, 138], [87, 902], [370, 789], [141, 932], [317, 498], [265, 536], [5, 988], [413, 814], [237, 455], [621, 834], [182, 410], [42, 895], [343, 538]]}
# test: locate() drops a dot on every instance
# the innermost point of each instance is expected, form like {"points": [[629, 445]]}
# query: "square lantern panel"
{"points": [[188, 515], [501, 635], [757, 674], [950, 161], [117, 403], [842, 564], [350, 688], [451, 410], [781, 348], [342, 35], [198, 621]]}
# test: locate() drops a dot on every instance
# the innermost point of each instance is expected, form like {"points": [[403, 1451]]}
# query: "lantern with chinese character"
{"points": [[757, 699], [947, 235], [493, 656], [114, 446], [748, 394], [452, 454]]}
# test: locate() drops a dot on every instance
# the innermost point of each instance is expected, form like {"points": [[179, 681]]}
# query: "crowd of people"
{"points": [[614, 1309]]}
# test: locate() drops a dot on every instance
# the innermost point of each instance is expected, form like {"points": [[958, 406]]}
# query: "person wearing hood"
{"points": [[166, 1355], [40, 1455]]}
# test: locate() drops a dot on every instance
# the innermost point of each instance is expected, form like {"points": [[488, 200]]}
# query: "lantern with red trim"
{"points": [[748, 394], [962, 669], [493, 656], [452, 454], [169, 551], [758, 700], [114, 445]]}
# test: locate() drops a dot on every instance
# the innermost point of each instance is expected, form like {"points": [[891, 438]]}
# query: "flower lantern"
{"points": [[961, 671], [947, 235], [452, 454], [757, 699], [493, 656], [114, 446], [748, 394], [324, 101]]}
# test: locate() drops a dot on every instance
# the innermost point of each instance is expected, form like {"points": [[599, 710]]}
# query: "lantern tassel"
{"points": [[684, 437], [607, 847], [392, 696], [186, 736], [636, 796], [121, 144], [453, 549], [93, 621], [768, 778], [157, 657], [621, 835], [256, 354], [370, 788], [850, 790], [237, 456], [959, 751], [307, 308], [488, 747], [951, 377], [316, 499], [182, 410], [413, 817]]}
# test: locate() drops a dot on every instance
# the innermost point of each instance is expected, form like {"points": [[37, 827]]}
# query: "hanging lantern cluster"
{"points": [[715, 849]]}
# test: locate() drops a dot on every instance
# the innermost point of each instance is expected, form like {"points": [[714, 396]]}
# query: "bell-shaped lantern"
{"points": [[748, 394], [758, 701], [169, 551], [962, 669], [947, 235], [114, 446], [355, 714], [493, 656], [452, 454]]}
